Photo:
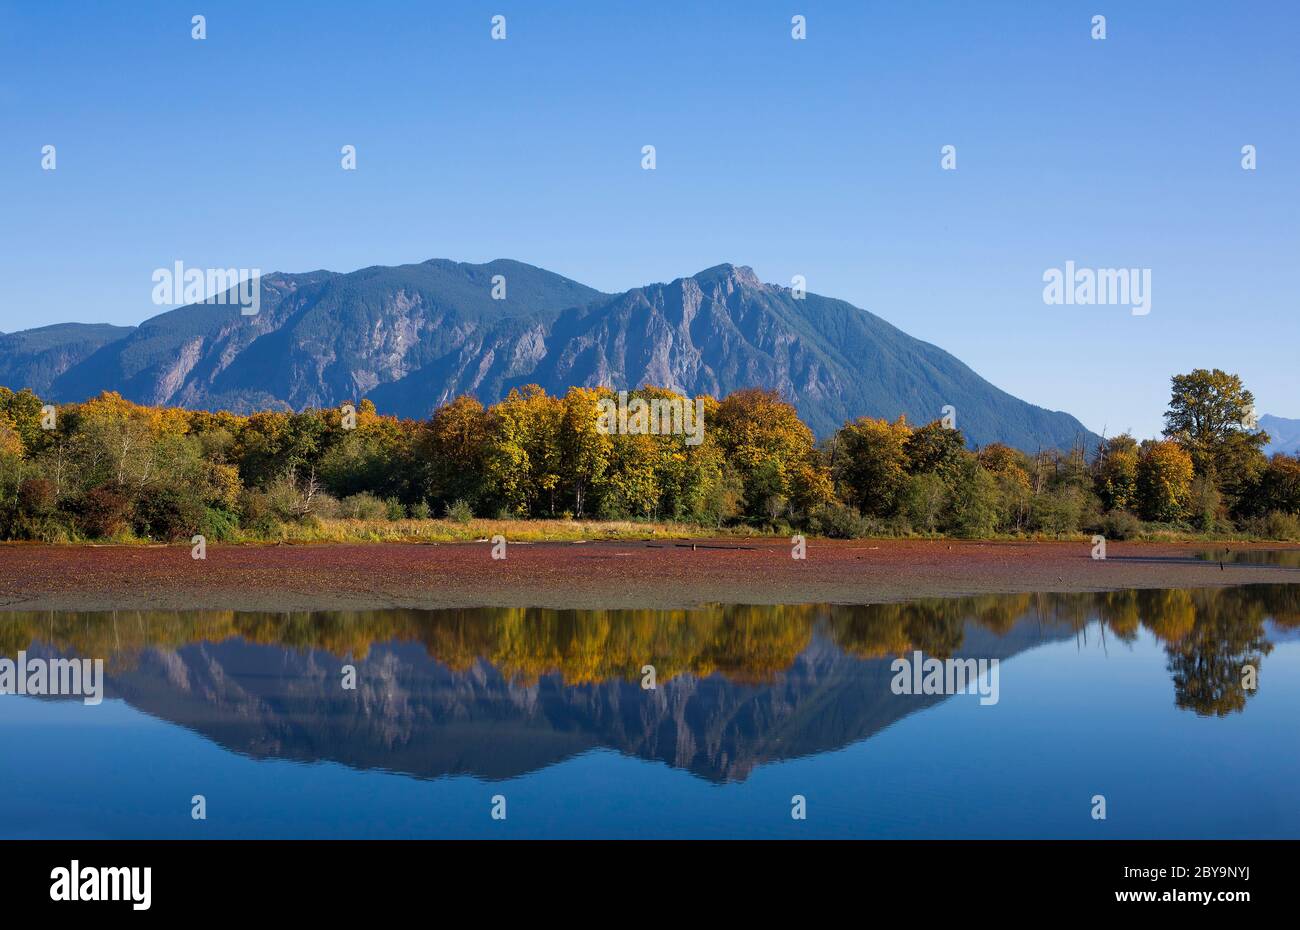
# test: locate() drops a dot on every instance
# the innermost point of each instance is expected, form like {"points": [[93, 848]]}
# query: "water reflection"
{"points": [[501, 692], [1279, 558]]}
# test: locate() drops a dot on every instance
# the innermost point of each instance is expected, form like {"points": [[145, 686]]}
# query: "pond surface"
{"points": [[1283, 558], [1141, 697]]}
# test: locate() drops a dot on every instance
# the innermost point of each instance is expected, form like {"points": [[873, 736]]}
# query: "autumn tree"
{"points": [[11, 475], [764, 439], [522, 457], [23, 410], [375, 454], [450, 451], [1164, 481], [110, 467], [1115, 472], [871, 464], [1276, 489], [811, 487], [1211, 415], [630, 487], [271, 443], [584, 451], [707, 487], [11, 444], [937, 450], [1010, 470]]}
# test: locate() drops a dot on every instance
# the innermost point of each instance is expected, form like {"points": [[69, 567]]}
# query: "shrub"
{"points": [[36, 497], [1058, 512], [421, 510], [323, 507], [286, 499], [363, 506], [52, 528], [459, 512], [219, 525], [1120, 524], [168, 513], [256, 515], [102, 511], [1277, 524], [393, 509], [53, 532], [838, 521]]}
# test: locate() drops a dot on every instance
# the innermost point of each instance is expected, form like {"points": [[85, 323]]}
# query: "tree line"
{"points": [[109, 468]]}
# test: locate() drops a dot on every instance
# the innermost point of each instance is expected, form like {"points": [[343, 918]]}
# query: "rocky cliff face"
{"points": [[416, 336]]}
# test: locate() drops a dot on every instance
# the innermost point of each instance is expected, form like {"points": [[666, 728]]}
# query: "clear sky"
{"points": [[818, 157]]}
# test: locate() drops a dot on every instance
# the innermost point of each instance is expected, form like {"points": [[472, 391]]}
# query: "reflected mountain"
{"points": [[498, 693]]}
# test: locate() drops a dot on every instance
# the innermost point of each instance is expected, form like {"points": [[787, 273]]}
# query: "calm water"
{"points": [[1277, 558], [1136, 696]]}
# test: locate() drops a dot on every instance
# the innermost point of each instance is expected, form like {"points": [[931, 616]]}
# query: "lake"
{"points": [[545, 719]]}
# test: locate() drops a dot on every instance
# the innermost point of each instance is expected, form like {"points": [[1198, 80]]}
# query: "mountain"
{"points": [[34, 358], [415, 336], [1283, 434], [322, 338]]}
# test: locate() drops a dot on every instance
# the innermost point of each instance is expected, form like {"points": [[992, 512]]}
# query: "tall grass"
{"points": [[450, 530]]}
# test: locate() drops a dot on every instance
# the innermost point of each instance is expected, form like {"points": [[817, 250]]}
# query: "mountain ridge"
{"points": [[1283, 433], [411, 337]]}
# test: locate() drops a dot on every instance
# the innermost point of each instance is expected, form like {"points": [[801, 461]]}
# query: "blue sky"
{"points": [[818, 158]]}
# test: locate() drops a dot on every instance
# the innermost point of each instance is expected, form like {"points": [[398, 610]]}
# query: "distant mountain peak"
{"points": [[727, 272], [1283, 434]]}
